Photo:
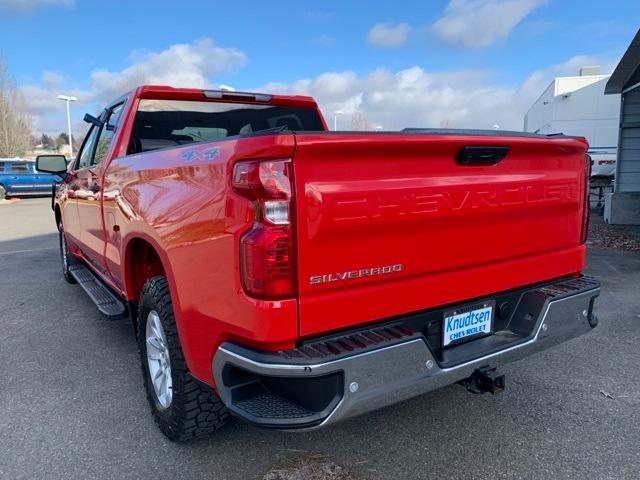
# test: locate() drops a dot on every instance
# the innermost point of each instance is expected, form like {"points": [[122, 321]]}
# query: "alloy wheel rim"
{"points": [[158, 360]]}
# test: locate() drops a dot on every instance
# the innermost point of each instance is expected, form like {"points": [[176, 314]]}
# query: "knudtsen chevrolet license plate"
{"points": [[467, 322]]}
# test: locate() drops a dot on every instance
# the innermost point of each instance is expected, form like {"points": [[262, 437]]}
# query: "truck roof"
{"points": [[172, 93]]}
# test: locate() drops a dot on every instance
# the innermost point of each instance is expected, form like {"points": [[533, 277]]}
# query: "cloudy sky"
{"points": [[425, 63]]}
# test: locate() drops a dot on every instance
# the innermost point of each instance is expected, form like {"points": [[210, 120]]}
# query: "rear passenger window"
{"points": [[19, 168], [171, 123], [199, 134]]}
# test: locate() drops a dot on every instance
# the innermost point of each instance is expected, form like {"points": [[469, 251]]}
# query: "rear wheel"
{"points": [[182, 407], [3, 193], [66, 259]]}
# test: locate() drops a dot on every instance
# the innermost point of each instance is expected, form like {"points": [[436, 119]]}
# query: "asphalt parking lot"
{"points": [[73, 405]]}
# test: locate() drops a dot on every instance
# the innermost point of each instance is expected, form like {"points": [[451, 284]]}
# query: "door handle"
{"points": [[479, 155]]}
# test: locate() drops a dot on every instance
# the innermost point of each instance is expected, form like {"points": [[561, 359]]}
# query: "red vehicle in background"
{"points": [[295, 277]]}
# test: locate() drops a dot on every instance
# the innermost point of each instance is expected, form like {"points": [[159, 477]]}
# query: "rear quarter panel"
{"points": [[179, 200]]}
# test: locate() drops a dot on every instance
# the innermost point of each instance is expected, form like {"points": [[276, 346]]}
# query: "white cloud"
{"points": [[415, 97], [51, 80], [388, 35], [410, 98], [30, 5], [181, 65], [480, 23]]}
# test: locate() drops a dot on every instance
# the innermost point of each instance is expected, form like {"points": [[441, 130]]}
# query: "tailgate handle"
{"points": [[481, 155]]}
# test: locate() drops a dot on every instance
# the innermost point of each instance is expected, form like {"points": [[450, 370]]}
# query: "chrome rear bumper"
{"points": [[261, 387]]}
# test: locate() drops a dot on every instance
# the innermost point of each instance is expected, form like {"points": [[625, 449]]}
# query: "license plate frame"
{"points": [[464, 332]]}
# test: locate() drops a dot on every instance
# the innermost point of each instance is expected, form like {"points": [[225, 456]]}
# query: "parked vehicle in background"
{"points": [[603, 163], [295, 277], [20, 178]]}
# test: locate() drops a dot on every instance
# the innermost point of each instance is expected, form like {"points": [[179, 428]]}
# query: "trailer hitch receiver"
{"points": [[484, 380]]}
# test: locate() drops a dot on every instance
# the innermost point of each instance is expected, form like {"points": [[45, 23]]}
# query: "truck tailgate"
{"points": [[389, 224]]}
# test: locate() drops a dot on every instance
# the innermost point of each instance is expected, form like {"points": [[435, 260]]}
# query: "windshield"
{"points": [[167, 123]]}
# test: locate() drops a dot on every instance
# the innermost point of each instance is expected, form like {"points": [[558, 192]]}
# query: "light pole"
{"points": [[336, 114], [68, 99]]}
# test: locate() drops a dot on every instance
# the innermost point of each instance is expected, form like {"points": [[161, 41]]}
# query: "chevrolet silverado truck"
{"points": [[295, 277]]}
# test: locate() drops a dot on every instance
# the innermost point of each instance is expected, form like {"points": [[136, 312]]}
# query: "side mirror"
{"points": [[93, 120], [56, 164]]}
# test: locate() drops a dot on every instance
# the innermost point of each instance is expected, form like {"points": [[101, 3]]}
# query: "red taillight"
{"points": [[585, 206], [266, 180], [266, 260], [267, 250]]}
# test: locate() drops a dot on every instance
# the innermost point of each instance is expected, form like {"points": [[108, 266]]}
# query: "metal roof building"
{"points": [[577, 105], [623, 205]]}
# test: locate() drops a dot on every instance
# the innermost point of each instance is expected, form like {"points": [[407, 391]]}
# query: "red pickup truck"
{"points": [[294, 277]]}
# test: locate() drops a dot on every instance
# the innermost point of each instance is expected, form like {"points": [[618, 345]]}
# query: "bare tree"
{"points": [[127, 82], [446, 123], [15, 121], [359, 122], [46, 141], [61, 140], [80, 131]]}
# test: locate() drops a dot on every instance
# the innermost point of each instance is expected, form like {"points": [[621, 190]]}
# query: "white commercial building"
{"points": [[578, 106]]}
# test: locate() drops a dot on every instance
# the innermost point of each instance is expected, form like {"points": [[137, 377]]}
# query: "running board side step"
{"points": [[107, 303]]}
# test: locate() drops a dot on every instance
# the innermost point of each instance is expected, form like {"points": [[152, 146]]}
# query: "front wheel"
{"points": [[3, 193], [65, 257], [182, 407]]}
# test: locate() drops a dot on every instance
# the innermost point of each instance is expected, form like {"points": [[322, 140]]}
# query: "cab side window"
{"points": [[107, 133], [84, 157], [98, 140], [19, 168]]}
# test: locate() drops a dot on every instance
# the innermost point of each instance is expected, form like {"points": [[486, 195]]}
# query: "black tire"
{"points": [[66, 259], [3, 192], [194, 410]]}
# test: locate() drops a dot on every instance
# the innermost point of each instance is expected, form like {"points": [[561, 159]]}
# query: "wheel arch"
{"points": [[142, 260], [139, 249]]}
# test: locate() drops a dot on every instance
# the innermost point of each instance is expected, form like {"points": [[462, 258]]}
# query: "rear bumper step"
{"points": [[107, 303], [329, 380]]}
